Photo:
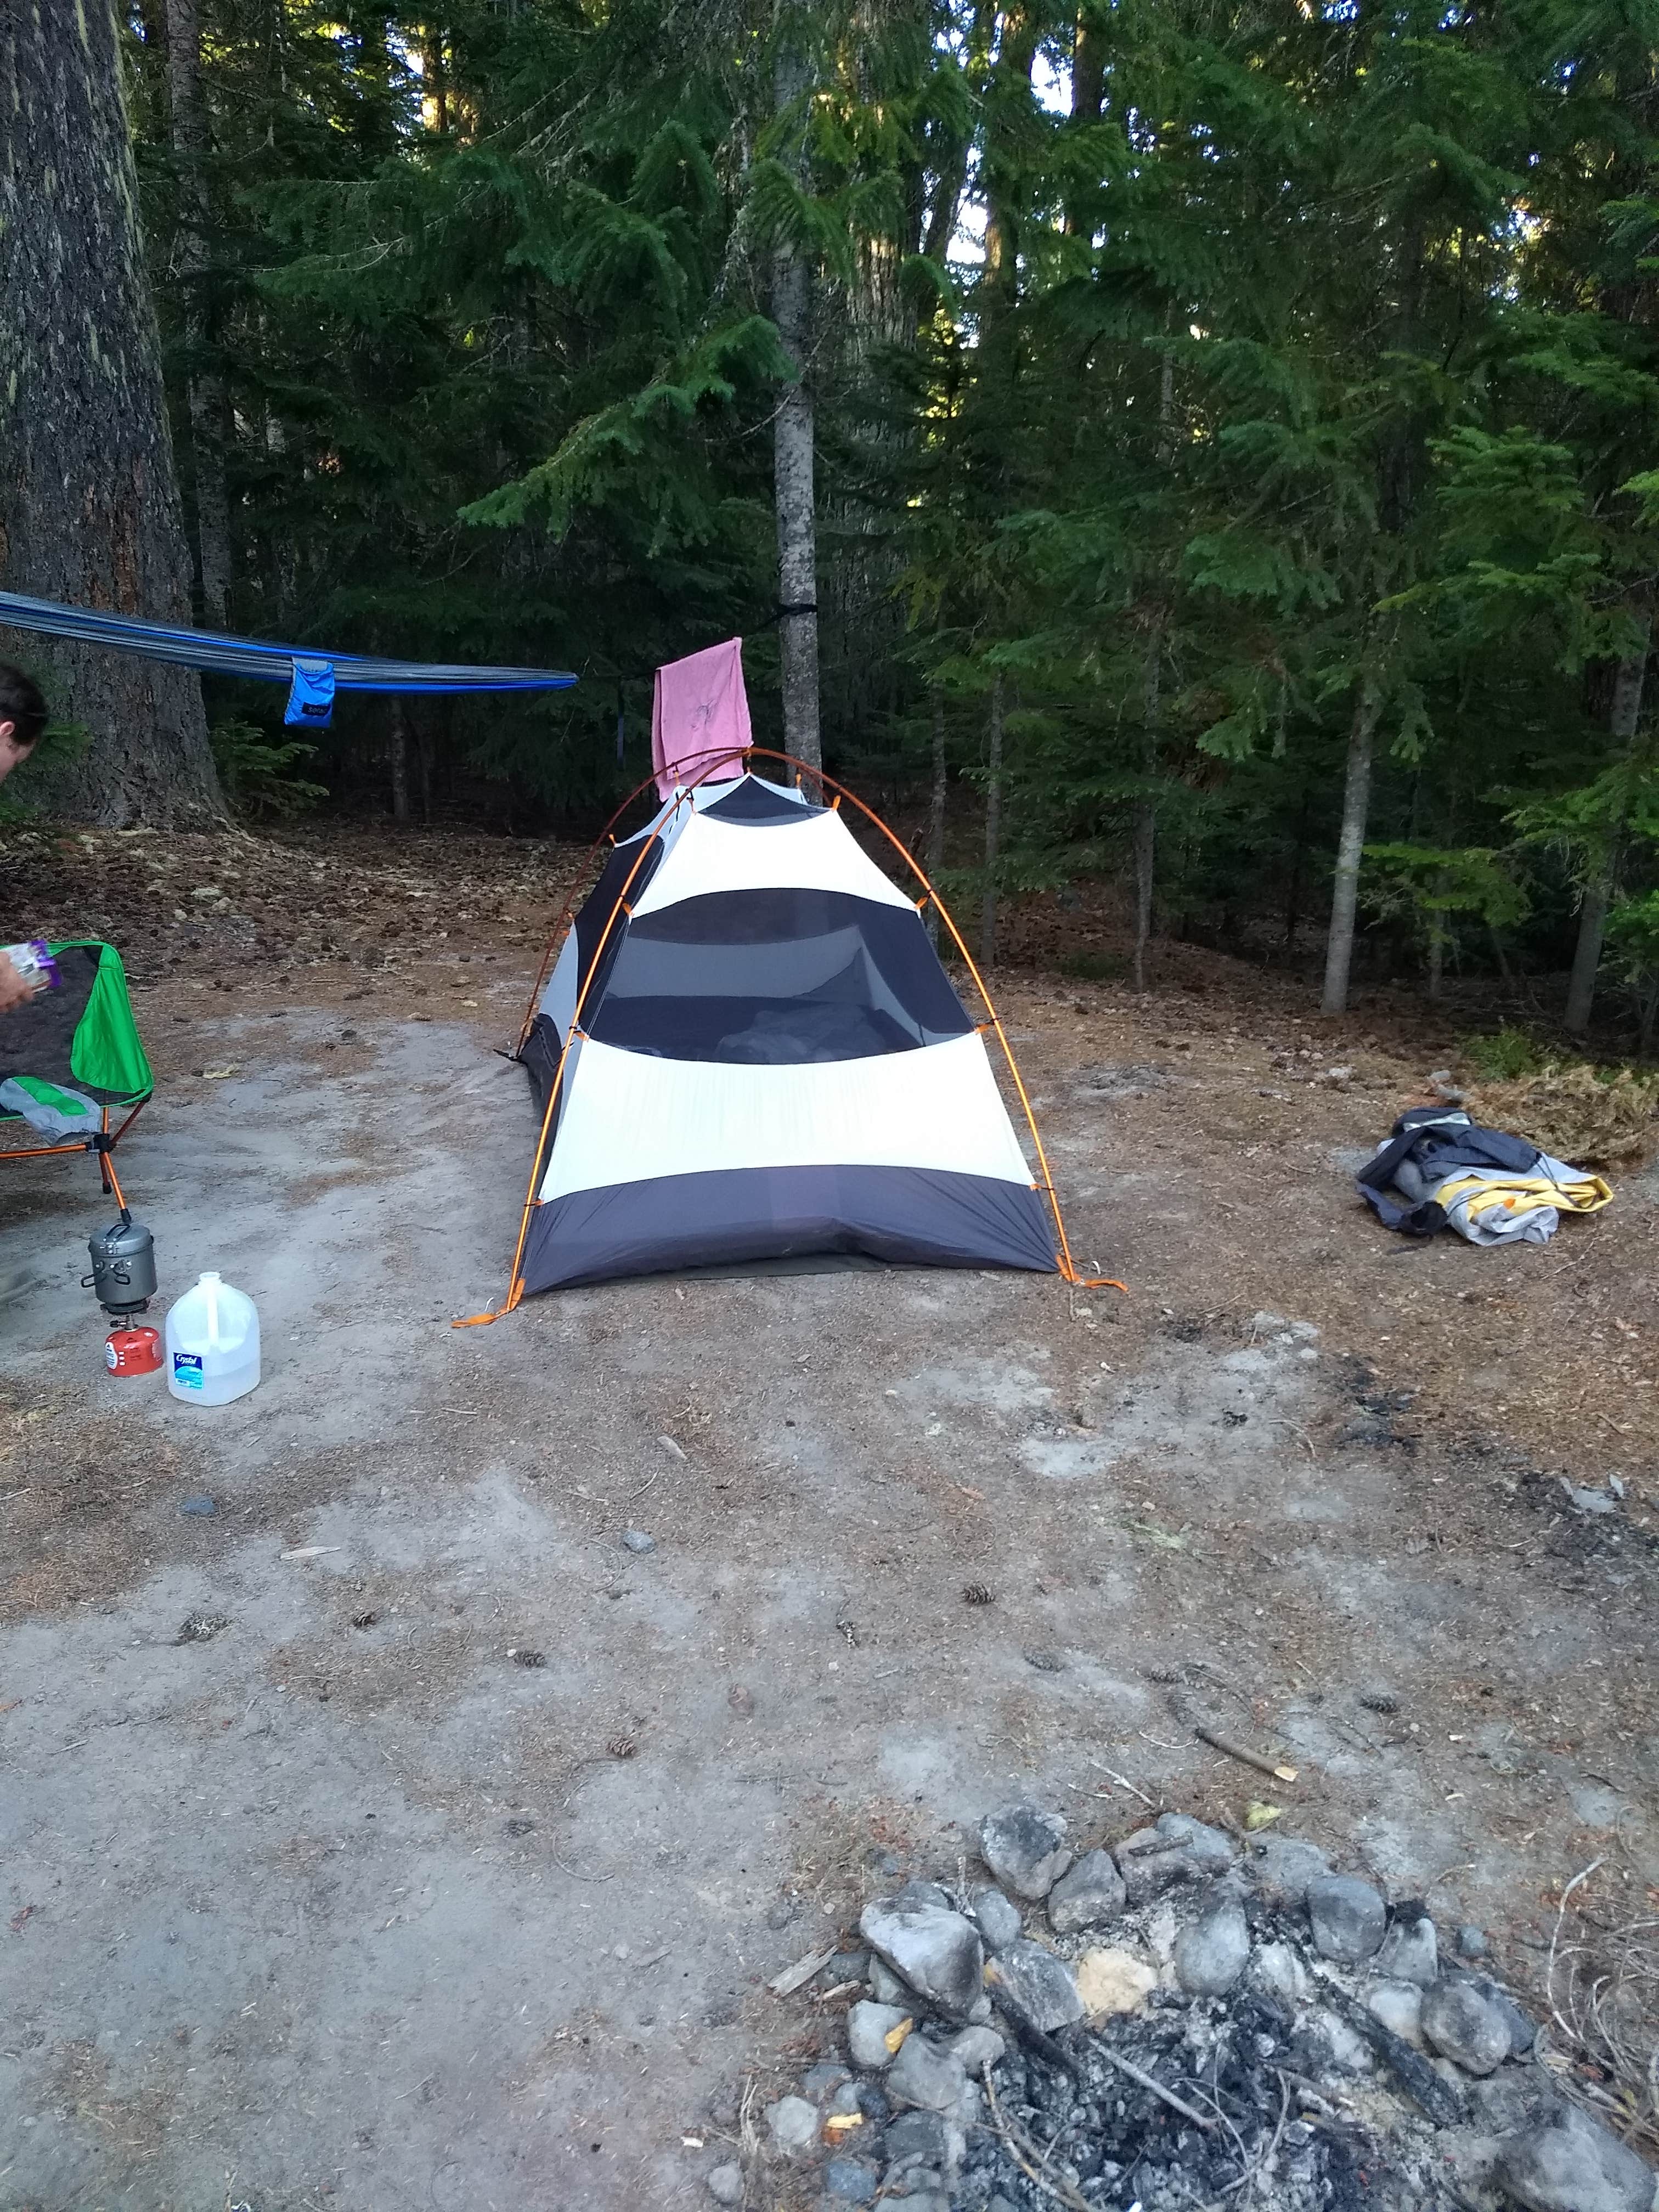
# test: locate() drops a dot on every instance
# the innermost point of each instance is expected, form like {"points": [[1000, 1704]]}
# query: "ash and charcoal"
{"points": [[1113, 2142], [1180, 2023]]}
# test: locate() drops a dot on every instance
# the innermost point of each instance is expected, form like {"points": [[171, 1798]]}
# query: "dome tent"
{"points": [[748, 1050]]}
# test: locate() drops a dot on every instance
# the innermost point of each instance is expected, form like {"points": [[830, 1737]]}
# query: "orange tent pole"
{"points": [[515, 1281], [1068, 1268], [515, 1287], [569, 912]]}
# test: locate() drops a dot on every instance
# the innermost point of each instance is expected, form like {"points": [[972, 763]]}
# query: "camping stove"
{"points": [[123, 1277]]}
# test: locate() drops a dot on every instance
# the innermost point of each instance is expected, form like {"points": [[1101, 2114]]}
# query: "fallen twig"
{"points": [[1022, 2150], [1263, 1765], [796, 1977], [748, 2133], [1264, 2158], [1566, 2028], [1026, 2029], [1122, 1780], [1607, 2024], [1433, 2096], [1150, 2082]]}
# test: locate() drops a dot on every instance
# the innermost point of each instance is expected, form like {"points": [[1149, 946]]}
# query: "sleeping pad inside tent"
{"points": [[753, 1053]]}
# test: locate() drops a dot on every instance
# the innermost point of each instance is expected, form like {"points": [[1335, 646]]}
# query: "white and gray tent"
{"points": [[748, 1050]]}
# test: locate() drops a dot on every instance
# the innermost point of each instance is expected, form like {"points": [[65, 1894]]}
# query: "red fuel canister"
{"points": [[133, 1351]]}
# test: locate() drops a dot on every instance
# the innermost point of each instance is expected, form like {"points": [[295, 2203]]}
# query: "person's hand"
{"points": [[17, 989]]}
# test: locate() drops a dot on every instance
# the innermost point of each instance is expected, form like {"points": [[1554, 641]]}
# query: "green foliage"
{"points": [[261, 778], [1502, 1055], [1633, 940], [1094, 967], [1435, 883], [1311, 362]]}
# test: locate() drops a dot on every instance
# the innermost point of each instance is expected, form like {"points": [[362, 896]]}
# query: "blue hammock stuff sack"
{"points": [[310, 695]]}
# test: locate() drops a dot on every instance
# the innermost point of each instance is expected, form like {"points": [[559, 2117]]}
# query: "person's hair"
{"points": [[22, 705]]}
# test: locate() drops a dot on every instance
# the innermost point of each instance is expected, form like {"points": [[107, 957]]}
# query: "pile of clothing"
{"points": [[1439, 1170]]}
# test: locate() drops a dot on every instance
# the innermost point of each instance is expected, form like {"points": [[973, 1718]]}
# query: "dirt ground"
{"points": [[445, 1865]]}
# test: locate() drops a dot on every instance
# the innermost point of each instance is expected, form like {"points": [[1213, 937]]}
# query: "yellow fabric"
{"points": [[1515, 1193]]}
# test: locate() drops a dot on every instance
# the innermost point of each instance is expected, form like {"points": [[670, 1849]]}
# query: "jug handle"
{"points": [[212, 1290]]}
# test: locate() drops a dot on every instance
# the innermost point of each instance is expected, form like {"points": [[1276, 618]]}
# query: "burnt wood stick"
{"points": [[1432, 2095]]}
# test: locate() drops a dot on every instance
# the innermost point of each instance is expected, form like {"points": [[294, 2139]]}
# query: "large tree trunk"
{"points": [[399, 750], [1623, 717], [946, 207], [792, 470], [987, 912], [935, 846], [1088, 93], [1587, 952], [88, 503], [1007, 98], [204, 387], [1356, 805], [1437, 959], [872, 321], [1146, 814]]}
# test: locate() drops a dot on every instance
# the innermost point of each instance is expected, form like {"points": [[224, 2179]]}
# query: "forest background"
{"points": [[1205, 447]]}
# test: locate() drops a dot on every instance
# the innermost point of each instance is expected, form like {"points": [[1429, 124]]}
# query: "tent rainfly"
{"points": [[748, 1050]]}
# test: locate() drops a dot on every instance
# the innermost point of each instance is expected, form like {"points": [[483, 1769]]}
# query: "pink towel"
{"points": [[700, 718]]}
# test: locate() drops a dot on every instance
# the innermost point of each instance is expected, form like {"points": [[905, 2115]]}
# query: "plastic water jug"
{"points": [[213, 1344]]}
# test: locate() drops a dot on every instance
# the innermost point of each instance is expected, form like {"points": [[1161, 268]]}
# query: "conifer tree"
{"points": [[91, 506]]}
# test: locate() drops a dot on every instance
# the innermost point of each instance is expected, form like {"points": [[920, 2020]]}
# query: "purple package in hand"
{"points": [[33, 961]]}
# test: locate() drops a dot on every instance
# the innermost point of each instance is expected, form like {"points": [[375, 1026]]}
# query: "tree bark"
{"points": [[947, 207], [1623, 717], [89, 500], [1009, 95], [935, 846], [1146, 814], [1587, 952], [987, 912], [792, 460], [1356, 805], [204, 388], [434, 81], [399, 750], [1088, 92], [1500, 957]]}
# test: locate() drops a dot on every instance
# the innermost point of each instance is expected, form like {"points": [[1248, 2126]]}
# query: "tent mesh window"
{"points": [[782, 977]]}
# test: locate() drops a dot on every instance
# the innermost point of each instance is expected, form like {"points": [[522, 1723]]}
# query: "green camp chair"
{"points": [[71, 1059]]}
